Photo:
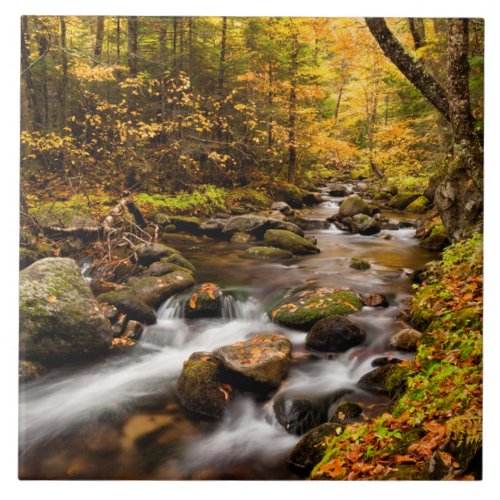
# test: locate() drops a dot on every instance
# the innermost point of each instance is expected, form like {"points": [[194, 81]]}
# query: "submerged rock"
{"points": [[309, 306], [155, 290], [310, 449], [200, 387], [359, 263], [266, 253], [205, 302], [263, 359], [287, 240], [334, 334], [129, 304], [299, 414], [59, 317]]}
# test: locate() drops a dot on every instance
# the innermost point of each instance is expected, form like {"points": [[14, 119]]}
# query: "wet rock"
{"points": [[162, 220], [179, 260], [287, 240], [436, 241], [133, 330], [353, 205], [204, 302], [359, 264], [419, 205], [387, 379], [405, 340], [306, 307], [334, 334], [118, 326], [402, 200], [102, 440], [162, 268], [29, 370], [155, 290], [129, 304], [375, 300], [152, 252], [310, 449], [312, 224], [312, 199], [406, 224], [263, 359], [241, 237], [200, 387], [299, 414], [439, 466], [213, 227], [346, 412], [187, 224], [249, 223], [389, 226], [363, 224], [282, 207], [266, 253], [385, 360], [59, 317], [337, 190]]}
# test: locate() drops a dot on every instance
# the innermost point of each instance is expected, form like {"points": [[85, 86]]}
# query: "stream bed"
{"points": [[119, 418]]}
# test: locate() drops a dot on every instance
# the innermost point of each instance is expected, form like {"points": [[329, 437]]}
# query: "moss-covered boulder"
{"points": [[307, 307], [155, 290], [359, 263], [153, 252], [388, 379], [310, 449], [334, 334], [162, 268], [249, 223], [419, 205], [282, 207], [200, 387], [27, 256], [336, 189], [437, 240], [266, 253], [353, 205], [363, 224], [263, 359], [299, 414], [204, 302], [286, 192], [287, 240], [127, 303], [179, 260], [405, 340], [402, 200], [59, 317], [241, 237], [187, 224]]}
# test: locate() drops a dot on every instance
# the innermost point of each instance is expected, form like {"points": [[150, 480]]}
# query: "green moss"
{"points": [[266, 253], [359, 264], [419, 205], [180, 261]]}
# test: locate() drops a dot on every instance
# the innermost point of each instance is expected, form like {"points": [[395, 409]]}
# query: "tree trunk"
{"points": [[118, 36], [174, 45], [222, 72], [43, 49], [459, 197], [270, 107], [163, 63], [132, 45], [292, 151], [413, 69], [31, 117], [64, 67], [417, 29], [99, 37]]}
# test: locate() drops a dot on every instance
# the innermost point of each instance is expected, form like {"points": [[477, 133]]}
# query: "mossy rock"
{"points": [[65, 215], [188, 224], [402, 200], [286, 192], [204, 302], [266, 253], [310, 306], [28, 256], [334, 334], [363, 224], [359, 263], [289, 241], [200, 387], [437, 240], [153, 252], [162, 268], [130, 305], [241, 237], [353, 205], [389, 379], [155, 290], [180, 261], [309, 451], [59, 318], [419, 205]]}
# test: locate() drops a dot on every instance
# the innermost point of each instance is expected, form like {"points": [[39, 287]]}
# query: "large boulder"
{"points": [[334, 334], [299, 414], [419, 205], [312, 198], [402, 200], [282, 207], [129, 304], [204, 302], [363, 224], [286, 192], [287, 240], [153, 252], [248, 223], [336, 189], [59, 317], [353, 205], [200, 387], [155, 290], [266, 253], [405, 340], [310, 449], [307, 307], [263, 359], [213, 227]]}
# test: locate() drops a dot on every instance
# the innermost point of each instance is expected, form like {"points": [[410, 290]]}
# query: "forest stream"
{"points": [[120, 419]]}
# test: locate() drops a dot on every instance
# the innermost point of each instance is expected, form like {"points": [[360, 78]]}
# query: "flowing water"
{"points": [[119, 418]]}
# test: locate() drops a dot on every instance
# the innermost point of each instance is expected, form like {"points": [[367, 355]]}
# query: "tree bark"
{"points": [[417, 29], [132, 45], [31, 117], [222, 72], [413, 69], [99, 38], [292, 151], [270, 107], [64, 67], [163, 65], [118, 36], [43, 40]]}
